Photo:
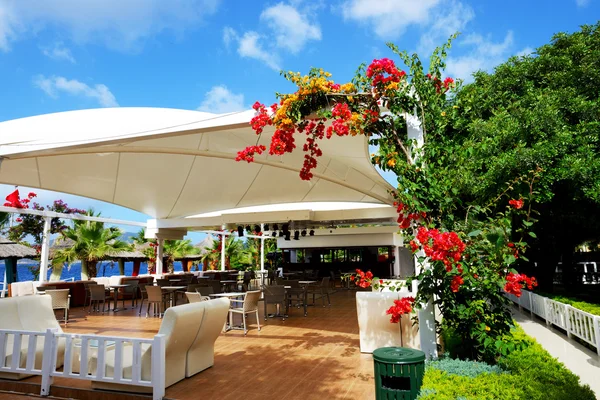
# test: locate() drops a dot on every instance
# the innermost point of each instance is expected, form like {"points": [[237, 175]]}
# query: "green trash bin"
{"points": [[398, 373]]}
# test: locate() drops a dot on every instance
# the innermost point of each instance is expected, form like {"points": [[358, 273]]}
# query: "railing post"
{"points": [[567, 320], [158, 367], [597, 333], [531, 304], [47, 362], [546, 311]]}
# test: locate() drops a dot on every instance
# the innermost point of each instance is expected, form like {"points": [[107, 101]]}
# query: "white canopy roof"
{"points": [[172, 163]]}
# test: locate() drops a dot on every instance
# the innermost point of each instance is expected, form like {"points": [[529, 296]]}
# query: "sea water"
{"points": [[105, 268]]}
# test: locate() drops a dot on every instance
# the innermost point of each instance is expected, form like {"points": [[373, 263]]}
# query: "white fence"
{"points": [[78, 352], [575, 322]]}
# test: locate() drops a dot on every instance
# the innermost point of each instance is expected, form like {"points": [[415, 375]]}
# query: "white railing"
{"points": [[21, 341], [80, 352], [574, 321]]}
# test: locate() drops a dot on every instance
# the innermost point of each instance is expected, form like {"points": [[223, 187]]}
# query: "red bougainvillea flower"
{"points": [[456, 282], [516, 204], [248, 153], [384, 71], [516, 282], [400, 307]]}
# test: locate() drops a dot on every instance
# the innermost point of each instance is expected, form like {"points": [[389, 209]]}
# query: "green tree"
{"points": [[92, 242], [173, 249], [541, 110], [236, 255]]}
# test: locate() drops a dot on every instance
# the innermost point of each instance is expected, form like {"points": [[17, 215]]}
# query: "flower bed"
{"points": [[528, 373]]}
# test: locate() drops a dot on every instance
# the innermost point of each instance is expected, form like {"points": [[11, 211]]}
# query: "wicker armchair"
{"points": [[60, 300], [98, 295], [275, 295], [248, 306], [322, 289], [195, 297]]}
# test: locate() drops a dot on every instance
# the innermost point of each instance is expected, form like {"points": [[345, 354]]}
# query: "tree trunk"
{"points": [[57, 270], [169, 265], [121, 266], [88, 269], [84, 271]]}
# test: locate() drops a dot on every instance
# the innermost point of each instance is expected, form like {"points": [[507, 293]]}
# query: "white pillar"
{"points": [[45, 251], [426, 311], [396, 252], [262, 256], [159, 256], [426, 316], [223, 239]]}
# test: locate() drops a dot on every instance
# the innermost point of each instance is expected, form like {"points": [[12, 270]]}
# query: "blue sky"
{"points": [[221, 56]]}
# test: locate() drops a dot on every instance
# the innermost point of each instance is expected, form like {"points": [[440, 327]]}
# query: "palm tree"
{"points": [[236, 255], [173, 249], [4, 220], [92, 242]]}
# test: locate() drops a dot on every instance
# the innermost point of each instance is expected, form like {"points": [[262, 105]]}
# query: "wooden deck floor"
{"points": [[314, 357]]}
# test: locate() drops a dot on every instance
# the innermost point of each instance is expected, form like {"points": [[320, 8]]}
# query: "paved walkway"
{"points": [[582, 361]]}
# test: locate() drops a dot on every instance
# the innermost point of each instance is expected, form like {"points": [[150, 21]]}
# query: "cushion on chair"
{"points": [[180, 325], [201, 354], [28, 313], [26, 288]]}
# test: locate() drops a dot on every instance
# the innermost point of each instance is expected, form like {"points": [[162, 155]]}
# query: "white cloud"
{"points": [[527, 51], [286, 24], [53, 85], [249, 46], [118, 24], [229, 35], [389, 18], [58, 52], [219, 100], [582, 3], [483, 54], [291, 28], [445, 24]]}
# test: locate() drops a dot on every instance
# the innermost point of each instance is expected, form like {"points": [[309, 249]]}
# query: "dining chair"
{"points": [[143, 295], [86, 286], [131, 291], [155, 298], [205, 290], [60, 300], [98, 295], [195, 297], [163, 282], [275, 295], [321, 289], [248, 306], [297, 296]]}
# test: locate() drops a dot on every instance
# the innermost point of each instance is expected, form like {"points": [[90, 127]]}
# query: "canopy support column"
{"points": [[262, 256], [159, 256], [223, 239], [45, 250], [426, 315]]}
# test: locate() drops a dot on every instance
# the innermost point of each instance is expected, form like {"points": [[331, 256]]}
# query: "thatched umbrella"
{"points": [[128, 255], [10, 252]]}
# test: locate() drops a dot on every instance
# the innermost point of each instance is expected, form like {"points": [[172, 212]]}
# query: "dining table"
{"points": [[116, 288], [171, 290]]}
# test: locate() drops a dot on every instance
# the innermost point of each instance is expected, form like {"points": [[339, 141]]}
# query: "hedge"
{"points": [[531, 373], [582, 305]]}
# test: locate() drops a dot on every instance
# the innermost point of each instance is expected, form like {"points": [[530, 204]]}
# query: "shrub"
{"points": [[466, 368], [582, 305], [530, 373]]}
